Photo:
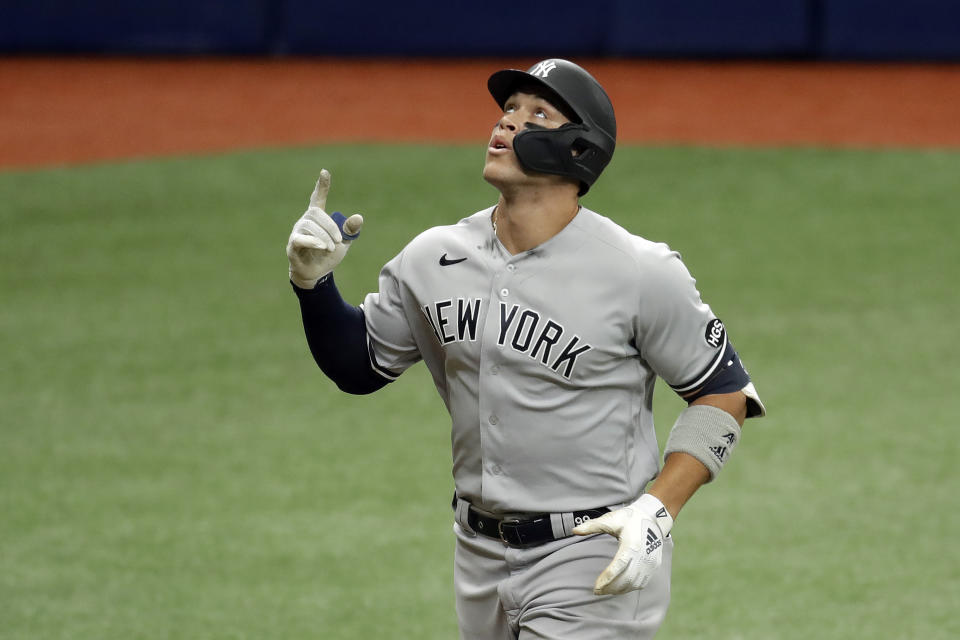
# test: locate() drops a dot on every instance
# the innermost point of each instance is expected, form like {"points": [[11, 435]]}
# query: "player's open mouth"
{"points": [[498, 145]]}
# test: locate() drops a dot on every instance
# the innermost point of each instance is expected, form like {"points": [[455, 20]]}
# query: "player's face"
{"points": [[502, 167]]}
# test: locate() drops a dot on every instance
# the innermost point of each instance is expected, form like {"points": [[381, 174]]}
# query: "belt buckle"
{"points": [[500, 524]]}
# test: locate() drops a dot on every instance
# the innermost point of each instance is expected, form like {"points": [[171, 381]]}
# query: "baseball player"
{"points": [[544, 326]]}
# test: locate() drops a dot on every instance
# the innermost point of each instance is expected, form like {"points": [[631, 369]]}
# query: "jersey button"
{"points": [[504, 293], [494, 419], [511, 267], [496, 470], [495, 369]]}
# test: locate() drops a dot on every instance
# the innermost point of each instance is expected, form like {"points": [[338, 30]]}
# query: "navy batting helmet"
{"points": [[579, 149]]}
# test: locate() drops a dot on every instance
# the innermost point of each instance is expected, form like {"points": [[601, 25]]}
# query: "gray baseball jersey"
{"points": [[546, 360]]}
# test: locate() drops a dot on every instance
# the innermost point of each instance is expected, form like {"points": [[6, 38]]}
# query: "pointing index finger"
{"points": [[319, 196]]}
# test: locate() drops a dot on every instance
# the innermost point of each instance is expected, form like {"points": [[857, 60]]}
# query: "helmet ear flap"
{"points": [[562, 151]]}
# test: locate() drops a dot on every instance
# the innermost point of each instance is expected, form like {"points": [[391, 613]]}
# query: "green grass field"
{"points": [[173, 465]]}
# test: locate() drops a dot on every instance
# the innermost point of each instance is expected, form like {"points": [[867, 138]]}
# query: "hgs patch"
{"points": [[715, 333]]}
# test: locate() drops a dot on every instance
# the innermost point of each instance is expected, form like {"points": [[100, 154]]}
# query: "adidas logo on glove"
{"points": [[653, 541]]}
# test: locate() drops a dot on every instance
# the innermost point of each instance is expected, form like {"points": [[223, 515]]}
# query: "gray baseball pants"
{"points": [[546, 592]]}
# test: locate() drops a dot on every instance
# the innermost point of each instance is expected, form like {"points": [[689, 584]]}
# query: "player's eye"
{"points": [[540, 113]]}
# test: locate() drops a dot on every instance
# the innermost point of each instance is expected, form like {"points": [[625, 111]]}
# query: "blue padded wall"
{"points": [[905, 30], [430, 27], [161, 26], [711, 28], [800, 29]]}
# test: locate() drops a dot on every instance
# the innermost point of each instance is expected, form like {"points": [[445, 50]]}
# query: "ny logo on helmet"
{"points": [[543, 69]]}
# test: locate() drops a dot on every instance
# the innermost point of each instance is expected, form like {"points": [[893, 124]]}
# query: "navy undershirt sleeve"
{"points": [[337, 336], [730, 376]]}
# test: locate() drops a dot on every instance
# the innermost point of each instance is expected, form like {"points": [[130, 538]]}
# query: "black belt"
{"points": [[529, 532]]}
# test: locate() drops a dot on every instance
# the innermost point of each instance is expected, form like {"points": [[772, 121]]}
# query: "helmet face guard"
{"points": [[580, 149], [565, 151]]}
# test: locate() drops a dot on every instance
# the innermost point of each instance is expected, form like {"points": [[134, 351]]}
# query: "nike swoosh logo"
{"points": [[445, 262]]}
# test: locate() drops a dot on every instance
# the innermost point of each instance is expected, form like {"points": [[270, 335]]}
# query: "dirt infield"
{"points": [[67, 111]]}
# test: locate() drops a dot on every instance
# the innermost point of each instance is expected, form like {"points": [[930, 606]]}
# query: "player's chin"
{"points": [[499, 169], [493, 172]]}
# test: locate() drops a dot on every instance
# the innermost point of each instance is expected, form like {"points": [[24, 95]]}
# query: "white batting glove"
{"points": [[319, 242], [641, 528]]}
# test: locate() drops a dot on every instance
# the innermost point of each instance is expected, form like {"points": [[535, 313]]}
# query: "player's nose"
{"points": [[507, 123]]}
